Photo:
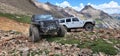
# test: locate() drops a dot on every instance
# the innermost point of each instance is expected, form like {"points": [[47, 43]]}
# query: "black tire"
{"points": [[34, 34], [61, 32], [66, 29], [89, 27]]}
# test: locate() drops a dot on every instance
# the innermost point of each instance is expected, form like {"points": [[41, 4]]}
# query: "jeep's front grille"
{"points": [[49, 26], [51, 23]]}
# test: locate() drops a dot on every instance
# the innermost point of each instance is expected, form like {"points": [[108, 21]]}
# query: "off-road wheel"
{"points": [[89, 27], [66, 29], [61, 32], [34, 33]]}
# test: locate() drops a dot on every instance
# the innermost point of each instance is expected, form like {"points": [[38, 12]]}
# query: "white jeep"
{"points": [[75, 23]]}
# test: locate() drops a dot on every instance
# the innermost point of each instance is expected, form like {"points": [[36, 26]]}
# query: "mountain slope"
{"points": [[117, 16], [8, 24], [73, 12], [30, 7], [24, 5], [10, 9]]}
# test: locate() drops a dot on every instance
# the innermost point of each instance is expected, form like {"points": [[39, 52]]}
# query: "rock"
{"points": [[77, 49], [104, 36], [101, 31], [95, 55], [108, 32], [1, 31], [118, 45], [68, 45], [92, 38], [57, 48], [23, 49], [37, 55], [25, 53], [118, 54], [85, 52], [108, 41], [6, 35], [2, 53], [18, 17], [12, 31], [117, 36], [17, 41], [51, 54], [74, 45], [101, 54]]}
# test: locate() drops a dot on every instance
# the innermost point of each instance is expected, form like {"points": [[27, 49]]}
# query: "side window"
{"points": [[75, 19], [68, 20], [62, 21]]}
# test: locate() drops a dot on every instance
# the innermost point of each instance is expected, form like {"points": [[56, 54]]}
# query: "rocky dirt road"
{"points": [[13, 43]]}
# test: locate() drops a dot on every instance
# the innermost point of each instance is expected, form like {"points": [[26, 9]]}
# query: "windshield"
{"points": [[43, 17]]}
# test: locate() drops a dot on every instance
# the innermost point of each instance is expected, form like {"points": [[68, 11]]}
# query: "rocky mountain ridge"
{"points": [[30, 7], [116, 16], [55, 10], [24, 5], [89, 12], [103, 20]]}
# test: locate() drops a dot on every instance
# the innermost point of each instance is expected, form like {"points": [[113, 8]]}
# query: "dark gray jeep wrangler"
{"points": [[44, 25]]}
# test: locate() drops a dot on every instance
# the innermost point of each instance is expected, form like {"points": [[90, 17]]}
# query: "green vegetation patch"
{"points": [[69, 41], [115, 41], [98, 21], [19, 18], [99, 45], [54, 39], [63, 40]]}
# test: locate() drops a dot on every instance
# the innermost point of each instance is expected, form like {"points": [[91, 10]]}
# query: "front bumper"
{"points": [[49, 30]]}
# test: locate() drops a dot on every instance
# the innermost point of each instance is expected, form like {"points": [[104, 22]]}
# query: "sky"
{"points": [[108, 6]]}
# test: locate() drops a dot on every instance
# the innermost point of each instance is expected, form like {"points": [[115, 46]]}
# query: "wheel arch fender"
{"points": [[65, 26], [87, 23]]}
